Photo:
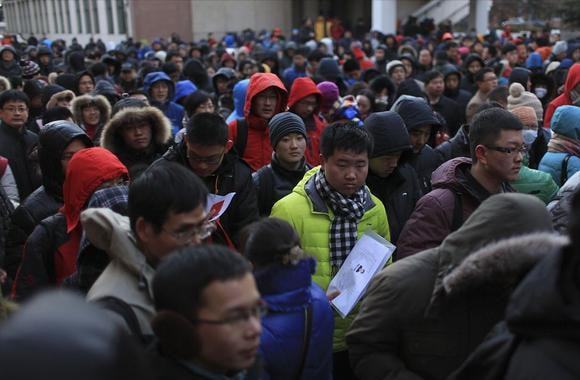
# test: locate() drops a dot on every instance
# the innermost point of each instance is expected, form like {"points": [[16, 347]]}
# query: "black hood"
{"points": [[76, 61], [53, 139], [388, 131], [59, 335], [416, 113], [520, 75], [195, 72], [78, 79], [470, 58]]}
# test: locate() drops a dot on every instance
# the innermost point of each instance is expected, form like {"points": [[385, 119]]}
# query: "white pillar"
{"points": [[482, 8], [72, 10], [384, 16]]}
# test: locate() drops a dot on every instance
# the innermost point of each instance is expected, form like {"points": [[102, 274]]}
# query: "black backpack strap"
{"points": [[241, 137], [564, 170], [457, 212], [306, 342], [122, 308]]}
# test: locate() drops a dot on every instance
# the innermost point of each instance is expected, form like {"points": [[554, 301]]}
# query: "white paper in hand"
{"points": [[369, 255], [217, 205]]}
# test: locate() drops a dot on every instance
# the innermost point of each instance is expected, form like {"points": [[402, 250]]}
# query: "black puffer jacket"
{"points": [[233, 175], [416, 113], [273, 182], [400, 190], [457, 146], [17, 147], [47, 199]]}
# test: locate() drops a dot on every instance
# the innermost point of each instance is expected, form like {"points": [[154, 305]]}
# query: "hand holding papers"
{"points": [[365, 260], [217, 205]]}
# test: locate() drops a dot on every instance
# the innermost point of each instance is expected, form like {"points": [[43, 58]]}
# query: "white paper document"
{"points": [[369, 255], [217, 205]]}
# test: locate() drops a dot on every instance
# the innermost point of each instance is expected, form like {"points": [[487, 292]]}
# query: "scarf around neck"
{"points": [[563, 144], [348, 211]]}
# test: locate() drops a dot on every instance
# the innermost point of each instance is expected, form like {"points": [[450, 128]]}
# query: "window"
{"points": [[110, 21], [67, 16], [79, 16], [96, 16], [121, 17], [88, 21]]}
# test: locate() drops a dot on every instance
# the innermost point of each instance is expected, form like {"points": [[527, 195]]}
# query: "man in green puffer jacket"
{"points": [[330, 209]]}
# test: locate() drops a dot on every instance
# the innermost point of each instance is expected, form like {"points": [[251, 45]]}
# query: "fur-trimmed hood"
{"points": [[54, 98], [6, 83], [82, 101], [161, 127], [502, 264]]}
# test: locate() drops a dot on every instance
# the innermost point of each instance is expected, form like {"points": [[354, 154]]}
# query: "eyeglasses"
{"points": [[202, 232], [510, 151], [239, 317], [15, 110], [210, 160]]}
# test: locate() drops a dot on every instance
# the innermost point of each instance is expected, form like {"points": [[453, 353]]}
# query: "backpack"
{"points": [[123, 309], [564, 170]]}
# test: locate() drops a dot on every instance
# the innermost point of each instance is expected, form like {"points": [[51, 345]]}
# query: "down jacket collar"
{"points": [[499, 217], [161, 127]]}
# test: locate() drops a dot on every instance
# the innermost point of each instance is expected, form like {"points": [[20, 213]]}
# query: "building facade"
{"points": [[115, 20]]}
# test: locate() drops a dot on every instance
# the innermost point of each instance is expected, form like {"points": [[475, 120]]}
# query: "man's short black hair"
{"points": [[499, 95], [350, 65], [345, 136], [164, 188], [207, 129], [432, 74], [191, 269], [56, 113], [487, 125], [171, 54], [98, 69], [13, 96], [194, 100], [480, 75]]}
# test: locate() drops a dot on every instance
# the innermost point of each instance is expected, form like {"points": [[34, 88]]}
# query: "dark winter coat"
{"points": [[539, 338], [17, 146], [233, 175], [561, 206], [413, 325], [288, 292], [457, 146], [47, 199], [160, 136], [273, 182], [399, 192], [434, 216], [450, 111]]}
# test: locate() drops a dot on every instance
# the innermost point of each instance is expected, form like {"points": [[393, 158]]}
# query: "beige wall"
{"points": [[221, 16], [151, 19]]}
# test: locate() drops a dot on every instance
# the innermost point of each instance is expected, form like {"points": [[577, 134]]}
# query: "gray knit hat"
{"points": [[283, 124]]}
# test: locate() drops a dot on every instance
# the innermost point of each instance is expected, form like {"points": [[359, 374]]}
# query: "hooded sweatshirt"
{"points": [[239, 93], [258, 151], [572, 80], [172, 110], [302, 88], [51, 251]]}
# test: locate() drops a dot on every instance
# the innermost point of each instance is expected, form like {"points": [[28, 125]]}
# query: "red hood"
{"points": [[572, 80], [301, 88], [86, 171], [260, 82]]}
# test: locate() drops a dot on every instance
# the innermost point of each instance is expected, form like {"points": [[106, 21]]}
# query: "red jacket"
{"points": [[301, 88], [572, 80], [258, 151]]}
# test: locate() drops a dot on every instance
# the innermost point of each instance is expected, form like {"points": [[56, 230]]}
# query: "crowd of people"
{"points": [[461, 150]]}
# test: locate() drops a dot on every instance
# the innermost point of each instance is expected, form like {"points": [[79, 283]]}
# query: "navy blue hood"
{"points": [[155, 77]]}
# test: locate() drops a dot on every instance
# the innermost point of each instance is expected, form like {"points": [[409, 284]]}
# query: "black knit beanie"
{"points": [[389, 133], [283, 124]]}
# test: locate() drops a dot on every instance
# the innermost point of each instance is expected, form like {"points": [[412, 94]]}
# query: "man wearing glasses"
{"points": [[16, 142], [461, 184], [206, 151], [486, 81], [209, 310], [166, 211]]}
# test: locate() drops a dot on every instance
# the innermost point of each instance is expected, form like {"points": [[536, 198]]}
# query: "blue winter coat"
{"points": [[565, 122], [239, 93], [288, 290], [172, 110]]}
